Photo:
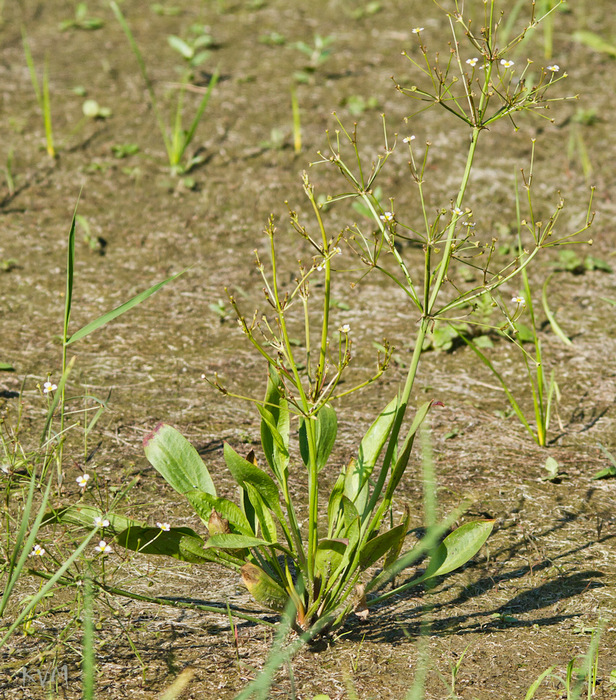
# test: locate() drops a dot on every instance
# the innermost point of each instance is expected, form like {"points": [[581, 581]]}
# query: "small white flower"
{"points": [[101, 522], [103, 548], [416, 30], [387, 216], [319, 268], [83, 480], [470, 224], [520, 301], [336, 251], [37, 551], [554, 68], [472, 62], [408, 139], [345, 328], [48, 387], [506, 63], [458, 212], [165, 527]]}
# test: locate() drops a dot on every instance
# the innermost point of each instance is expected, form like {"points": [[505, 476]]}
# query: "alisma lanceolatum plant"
{"points": [[340, 561]]}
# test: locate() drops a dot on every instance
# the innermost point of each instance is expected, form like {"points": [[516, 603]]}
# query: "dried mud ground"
{"points": [[547, 577]]}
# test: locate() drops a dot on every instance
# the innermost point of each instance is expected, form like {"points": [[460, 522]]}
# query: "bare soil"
{"points": [[547, 576]]}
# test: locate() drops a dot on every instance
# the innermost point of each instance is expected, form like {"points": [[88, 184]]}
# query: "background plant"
{"points": [[175, 137]]}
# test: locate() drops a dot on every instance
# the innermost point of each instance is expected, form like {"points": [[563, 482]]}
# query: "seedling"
{"points": [[176, 138], [195, 48], [609, 471], [93, 110], [317, 55], [81, 20]]}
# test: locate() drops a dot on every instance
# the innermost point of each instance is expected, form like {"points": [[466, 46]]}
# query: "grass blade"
{"points": [[148, 83], [550, 316], [119, 310], [202, 106]]}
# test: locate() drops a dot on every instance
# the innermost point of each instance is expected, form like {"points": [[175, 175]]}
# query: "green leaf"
{"points": [[262, 513], [334, 504], [378, 546], [325, 428], [359, 471], [204, 503], [230, 541], [396, 548], [178, 462], [5, 367], [85, 516], [458, 547], [407, 446], [178, 542], [118, 311], [245, 472], [550, 316], [530, 693], [330, 553], [180, 45], [606, 473], [275, 426]]}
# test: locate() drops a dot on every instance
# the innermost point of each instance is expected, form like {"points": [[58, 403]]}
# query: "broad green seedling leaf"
{"points": [[178, 462]]}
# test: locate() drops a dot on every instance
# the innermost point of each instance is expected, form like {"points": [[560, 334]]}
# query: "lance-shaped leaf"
{"points": [[275, 425], [325, 429], [245, 472], [118, 311], [454, 551], [330, 553], [263, 588], [178, 542], [458, 547], [358, 473], [204, 503], [236, 542], [262, 513], [178, 462], [405, 452], [394, 552], [378, 546], [86, 516], [334, 508]]}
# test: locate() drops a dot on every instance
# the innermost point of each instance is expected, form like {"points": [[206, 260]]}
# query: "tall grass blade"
{"points": [[201, 109], [119, 310], [144, 73], [550, 316], [88, 664]]}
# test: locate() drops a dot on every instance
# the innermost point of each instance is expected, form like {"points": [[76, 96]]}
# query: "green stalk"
{"points": [[51, 151], [305, 405], [297, 124]]}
